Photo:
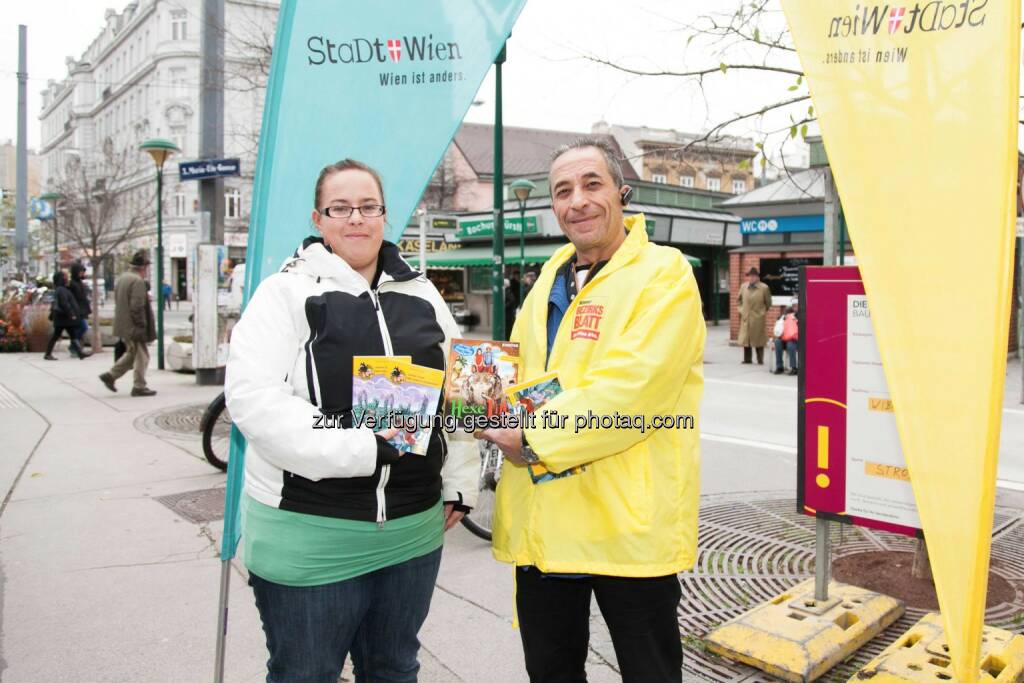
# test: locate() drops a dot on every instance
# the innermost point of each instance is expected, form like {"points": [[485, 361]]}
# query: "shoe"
{"points": [[144, 391], [82, 355], [49, 356], [778, 371], [794, 371], [108, 381], [746, 362]]}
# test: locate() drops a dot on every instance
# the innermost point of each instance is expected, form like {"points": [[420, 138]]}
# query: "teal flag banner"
{"points": [[386, 83]]}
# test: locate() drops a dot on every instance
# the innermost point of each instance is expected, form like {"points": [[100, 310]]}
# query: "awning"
{"points": [[482, 255]]}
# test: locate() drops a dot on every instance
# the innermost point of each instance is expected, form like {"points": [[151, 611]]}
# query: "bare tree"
{"points": [[104, 202]]}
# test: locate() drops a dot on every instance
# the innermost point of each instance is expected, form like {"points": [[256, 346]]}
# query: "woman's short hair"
{"points": [[345, 165]]}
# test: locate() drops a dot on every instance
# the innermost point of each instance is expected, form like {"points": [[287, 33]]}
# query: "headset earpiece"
{"points": [[626, 195]]}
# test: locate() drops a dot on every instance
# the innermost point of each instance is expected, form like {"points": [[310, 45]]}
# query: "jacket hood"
{"points": [[315, 259]]}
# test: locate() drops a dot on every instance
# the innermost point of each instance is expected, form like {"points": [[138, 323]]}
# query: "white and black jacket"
{"points": [[291, 361]]}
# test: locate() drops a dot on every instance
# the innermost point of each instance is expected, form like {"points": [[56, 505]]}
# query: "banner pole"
{"points": [[222, 620]]}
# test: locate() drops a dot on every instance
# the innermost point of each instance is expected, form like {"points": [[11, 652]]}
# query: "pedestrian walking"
{"points": [[787, 338], [65, 315], [166, 290], [755, 298], [134, 324], [343, 534], [620, 322], [81, 294]]}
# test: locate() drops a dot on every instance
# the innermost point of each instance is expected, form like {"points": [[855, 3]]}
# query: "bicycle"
{"points": [[478, 521], [215, 427]]}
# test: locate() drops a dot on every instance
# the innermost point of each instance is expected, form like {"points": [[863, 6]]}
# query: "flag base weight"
{"points": [[797, 638], [921, 654]]}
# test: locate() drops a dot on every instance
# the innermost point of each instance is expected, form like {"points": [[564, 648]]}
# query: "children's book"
{"points": [[529, 398], [391, 391], [478, 374]]}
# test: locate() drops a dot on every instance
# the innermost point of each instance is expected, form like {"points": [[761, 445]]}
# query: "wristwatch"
{"points": [[528, 454]]}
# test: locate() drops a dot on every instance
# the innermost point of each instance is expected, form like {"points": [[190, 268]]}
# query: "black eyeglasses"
{"points": [[367, 211]]}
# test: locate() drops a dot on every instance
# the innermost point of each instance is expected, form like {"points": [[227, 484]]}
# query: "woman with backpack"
{"points": [[65, 314], [81, 294]]}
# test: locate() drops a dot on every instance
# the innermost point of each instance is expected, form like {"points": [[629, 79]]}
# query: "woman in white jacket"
{"points": [[342, 535]]}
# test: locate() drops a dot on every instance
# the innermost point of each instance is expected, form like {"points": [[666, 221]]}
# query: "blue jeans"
{"points": [[311, 629], [790, 352]]}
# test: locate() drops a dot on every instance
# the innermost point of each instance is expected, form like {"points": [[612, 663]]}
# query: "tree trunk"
{"points": [[97, 334], [922, 568]]}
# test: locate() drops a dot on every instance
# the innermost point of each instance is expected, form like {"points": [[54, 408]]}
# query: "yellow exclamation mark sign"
{"points": [[822, 479]]}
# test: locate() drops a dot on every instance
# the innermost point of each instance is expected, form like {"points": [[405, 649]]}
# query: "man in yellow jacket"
{"points": [[620, 320]]}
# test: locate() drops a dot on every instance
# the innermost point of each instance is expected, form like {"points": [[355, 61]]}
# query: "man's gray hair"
{"points": [[609, 153]]}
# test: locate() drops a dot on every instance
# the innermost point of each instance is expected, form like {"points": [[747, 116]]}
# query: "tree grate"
{"points": [[752, 550]]}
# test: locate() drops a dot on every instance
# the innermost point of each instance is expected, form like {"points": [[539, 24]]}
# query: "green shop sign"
{"points": [[485, 228]]}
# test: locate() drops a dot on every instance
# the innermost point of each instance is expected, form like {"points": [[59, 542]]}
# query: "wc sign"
{"points": [[758, 226]]}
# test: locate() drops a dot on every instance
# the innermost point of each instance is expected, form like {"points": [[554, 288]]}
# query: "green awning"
{"points": [[481, 255]]}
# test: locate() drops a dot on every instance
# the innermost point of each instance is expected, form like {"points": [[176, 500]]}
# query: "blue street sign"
{"points": [[208, 168], [754, 226]]}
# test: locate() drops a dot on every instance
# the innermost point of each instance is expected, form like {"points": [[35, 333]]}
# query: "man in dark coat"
{"points": [[133, 323], [81, 294], [65, 314]]}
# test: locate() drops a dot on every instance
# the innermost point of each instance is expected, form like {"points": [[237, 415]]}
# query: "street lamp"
{"points": [[52, 198], [159, 150], [521, 189]]}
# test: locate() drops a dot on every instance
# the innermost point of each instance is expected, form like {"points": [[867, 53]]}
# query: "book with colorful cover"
{"points": [[386, 387], [479, 372], [529, 397]]}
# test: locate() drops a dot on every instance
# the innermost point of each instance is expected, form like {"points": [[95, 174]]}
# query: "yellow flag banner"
{"points": [[918, 111]]}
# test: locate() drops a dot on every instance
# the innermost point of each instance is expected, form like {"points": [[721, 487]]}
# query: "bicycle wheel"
{"points": [[479, 520], [216, 428]]}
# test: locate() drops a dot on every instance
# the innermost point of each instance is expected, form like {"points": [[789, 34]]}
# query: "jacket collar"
{"points": [[315, 258]]}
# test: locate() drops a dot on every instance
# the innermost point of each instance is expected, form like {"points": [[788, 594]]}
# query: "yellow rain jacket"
{"points": [[632, 343]]}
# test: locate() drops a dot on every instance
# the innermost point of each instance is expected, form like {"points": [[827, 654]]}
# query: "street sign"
{"points": [[208, 168]]}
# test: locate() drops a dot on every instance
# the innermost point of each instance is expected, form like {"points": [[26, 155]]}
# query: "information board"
{"points": [[850, 466]]}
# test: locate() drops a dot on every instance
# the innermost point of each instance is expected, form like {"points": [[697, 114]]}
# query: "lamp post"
{"points": [[521, 189], [159, 150], [52, 198]]}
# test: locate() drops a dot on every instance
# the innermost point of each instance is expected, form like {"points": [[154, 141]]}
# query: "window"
{"points": [[179, 25], [659, 178], [739, 186], [178, 137], [178, 82], [715, 184], [180, 206], [686, 181], [233, 203]]}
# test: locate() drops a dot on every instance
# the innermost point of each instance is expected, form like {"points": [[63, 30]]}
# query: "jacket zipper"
{"points": [[385, 471]]}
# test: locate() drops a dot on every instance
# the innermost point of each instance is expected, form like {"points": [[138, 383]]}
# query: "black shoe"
{"points": [[82, 355], [778, 371], [49, 356], [108, 381], [144, 391], [794, 371], [746, 362]]}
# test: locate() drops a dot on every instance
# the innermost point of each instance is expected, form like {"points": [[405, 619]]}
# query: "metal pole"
{"points": [[822, 558], [159, 267], [211, 112], [522, 249], [423, 241], [1020, 313], [714, 286], [21, 168], [498, 259], [56, 250], [842, 237], [222, 620]]}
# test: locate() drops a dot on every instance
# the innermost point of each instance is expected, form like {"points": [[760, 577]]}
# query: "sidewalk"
{"points": [[101, 582]]}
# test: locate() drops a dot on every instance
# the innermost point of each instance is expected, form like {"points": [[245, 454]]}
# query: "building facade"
{"points": [[140, 79], [722, 163]]}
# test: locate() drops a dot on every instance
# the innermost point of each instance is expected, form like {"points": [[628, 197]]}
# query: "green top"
{"points": [[295, 549]]}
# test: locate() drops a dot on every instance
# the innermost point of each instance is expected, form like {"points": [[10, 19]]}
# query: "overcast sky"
{"points": [[548, 83]]}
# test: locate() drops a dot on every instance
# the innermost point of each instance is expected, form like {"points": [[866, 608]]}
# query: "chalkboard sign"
{"points": [[782, 275]]}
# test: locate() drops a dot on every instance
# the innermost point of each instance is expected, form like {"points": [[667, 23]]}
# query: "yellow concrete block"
{"points": [[922, 654], [797, 638]]}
